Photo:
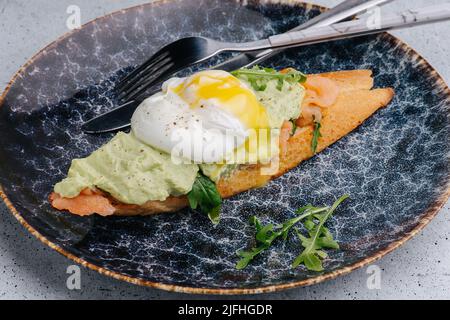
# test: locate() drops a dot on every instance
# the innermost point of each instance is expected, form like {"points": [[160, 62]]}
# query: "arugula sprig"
{"points": [[319, 238], [294, 127], [266, 235], [258, 77], [316, 136], [204, 194]]}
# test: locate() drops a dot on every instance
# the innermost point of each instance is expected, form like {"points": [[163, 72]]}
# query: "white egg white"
{"points": [[203, 135]]}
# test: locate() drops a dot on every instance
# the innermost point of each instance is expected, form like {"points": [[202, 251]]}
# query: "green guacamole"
{"points": [[281, 104], [134, 173], [130, 171]]}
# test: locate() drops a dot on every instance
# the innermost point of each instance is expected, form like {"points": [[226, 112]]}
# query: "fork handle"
{"points": [[351, 29]]}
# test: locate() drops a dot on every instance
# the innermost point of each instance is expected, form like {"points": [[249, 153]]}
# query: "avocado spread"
{"points": [[134, 173], [281, 104], [131, 171]]}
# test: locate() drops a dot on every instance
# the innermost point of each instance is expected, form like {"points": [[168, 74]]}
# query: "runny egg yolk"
{"points": [[220, 89], [226, 92]]}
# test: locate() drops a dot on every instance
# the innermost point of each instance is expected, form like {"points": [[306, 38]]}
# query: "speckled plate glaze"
{"points": [[395, 166]]}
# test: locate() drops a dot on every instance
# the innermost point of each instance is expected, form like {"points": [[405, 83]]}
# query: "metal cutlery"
{"points": [[191, 50], [119, 117], [156, 69]]}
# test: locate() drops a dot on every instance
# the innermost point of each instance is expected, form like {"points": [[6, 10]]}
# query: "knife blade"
{"points": [[113, 120], [119, 117]]}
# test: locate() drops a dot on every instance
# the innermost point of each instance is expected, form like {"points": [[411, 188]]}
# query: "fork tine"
{"points": [[172, 58], [133, 76], [137, 82], [147, 82]]}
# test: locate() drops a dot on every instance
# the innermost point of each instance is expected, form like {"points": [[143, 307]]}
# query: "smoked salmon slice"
{"points": [[320, 93], [86, 203]]}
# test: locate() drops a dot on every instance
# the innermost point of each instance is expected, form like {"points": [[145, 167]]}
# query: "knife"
{"points": [[119, 117]]}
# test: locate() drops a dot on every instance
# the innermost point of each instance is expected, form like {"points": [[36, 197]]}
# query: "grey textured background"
{"points": [[29, 270]]}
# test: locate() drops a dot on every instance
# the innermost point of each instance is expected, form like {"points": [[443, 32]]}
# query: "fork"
{"points": [[140, 79], [192, 50]]}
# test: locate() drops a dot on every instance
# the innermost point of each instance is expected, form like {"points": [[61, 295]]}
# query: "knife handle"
{"points": [[356, 28]]}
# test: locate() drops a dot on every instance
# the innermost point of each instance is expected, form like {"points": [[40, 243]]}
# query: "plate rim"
{"points": [[428, 215]]}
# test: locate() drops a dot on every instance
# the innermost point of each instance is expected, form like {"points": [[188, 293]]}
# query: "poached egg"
{"points": [[209, 117]]}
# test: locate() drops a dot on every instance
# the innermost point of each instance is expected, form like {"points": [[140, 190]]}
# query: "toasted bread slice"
{"points": [[355, 103]]}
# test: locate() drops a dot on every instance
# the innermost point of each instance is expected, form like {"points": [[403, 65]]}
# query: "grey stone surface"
{"points": [[28, 269]]}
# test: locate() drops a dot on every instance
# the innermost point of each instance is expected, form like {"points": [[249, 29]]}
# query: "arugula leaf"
{"points": [[316, 136], [266, 235], [294, 127], [204, 194], [258, 77], [214, 215], [247, 256], [319, 238]]}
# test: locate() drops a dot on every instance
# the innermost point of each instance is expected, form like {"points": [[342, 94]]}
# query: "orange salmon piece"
{"points": [[84, 204]]}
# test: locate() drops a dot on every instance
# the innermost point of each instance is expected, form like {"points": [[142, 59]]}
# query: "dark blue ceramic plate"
{"points": [[395, 166]]}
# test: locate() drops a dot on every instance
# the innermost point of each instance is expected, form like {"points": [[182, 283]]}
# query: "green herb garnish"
{"points": [[204, 194], [319, 238], [294, 127], [266, 235], [258, 77], [316, 136]]}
